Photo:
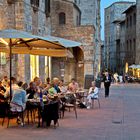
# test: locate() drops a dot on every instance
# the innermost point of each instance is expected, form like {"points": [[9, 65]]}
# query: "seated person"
{"points": [[73, 85], [14, 86], [18, 102], [31, 90], [45, 89], [2, 90], [39, 87], [19, 97], [2, 87], [5, 81], [55, 84], [70, 90], [24, 86], [52, 91], [61, 86], [93, 93]]}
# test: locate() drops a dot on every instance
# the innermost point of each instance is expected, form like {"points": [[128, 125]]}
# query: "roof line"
{"points": [[120, 2]]}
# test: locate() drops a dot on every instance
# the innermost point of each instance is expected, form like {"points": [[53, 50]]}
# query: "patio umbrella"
{"points": [[25, 43], [138, 66], [64, 42], [20, 42], [133, 66]]}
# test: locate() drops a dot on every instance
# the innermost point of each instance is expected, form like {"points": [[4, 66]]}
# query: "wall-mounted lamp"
{"points": [[80, 64]]}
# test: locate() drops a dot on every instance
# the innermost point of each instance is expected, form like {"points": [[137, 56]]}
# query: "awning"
{"points": [[134, 66], [26, 43], [64, 42], [43, 52]]}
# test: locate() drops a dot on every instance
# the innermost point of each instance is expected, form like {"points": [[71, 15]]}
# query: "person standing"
{"points": [[107, 83]]}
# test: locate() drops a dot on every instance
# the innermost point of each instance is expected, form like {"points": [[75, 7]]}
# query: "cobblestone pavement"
{"points": [[117, 119]]}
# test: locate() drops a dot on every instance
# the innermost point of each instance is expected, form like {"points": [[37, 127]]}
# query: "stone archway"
{"points": [[79, 64], [74, 67]]}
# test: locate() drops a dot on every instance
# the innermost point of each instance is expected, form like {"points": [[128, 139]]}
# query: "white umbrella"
{"points": [[137, 66], [133, 66]]}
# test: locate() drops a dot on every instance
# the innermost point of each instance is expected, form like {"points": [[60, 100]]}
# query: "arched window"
{"points": [[62, 18], [134, 19], [47, 7]]}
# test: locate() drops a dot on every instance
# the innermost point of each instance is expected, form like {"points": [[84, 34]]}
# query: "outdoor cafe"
{"points": [[37, 101]]}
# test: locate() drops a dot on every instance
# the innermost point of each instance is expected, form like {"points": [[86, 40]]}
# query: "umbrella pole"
{"points": [[10, 47]]}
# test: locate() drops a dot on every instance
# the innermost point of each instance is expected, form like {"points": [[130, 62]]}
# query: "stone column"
{"points": [[42, 68], [27, 68]]}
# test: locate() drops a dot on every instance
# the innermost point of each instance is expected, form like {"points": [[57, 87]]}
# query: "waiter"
{"points": [[107, 83]]}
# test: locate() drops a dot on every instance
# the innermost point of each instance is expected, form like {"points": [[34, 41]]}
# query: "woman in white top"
{"points": [[93, 93]]}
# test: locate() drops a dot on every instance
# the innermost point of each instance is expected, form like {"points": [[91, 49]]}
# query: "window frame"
{"points": [[62, 18]]}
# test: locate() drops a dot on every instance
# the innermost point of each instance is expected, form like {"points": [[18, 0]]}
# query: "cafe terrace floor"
{"points": [[117, 119]]}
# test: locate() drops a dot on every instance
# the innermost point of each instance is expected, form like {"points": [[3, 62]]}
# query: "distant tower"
{"points": [[90, 15]]}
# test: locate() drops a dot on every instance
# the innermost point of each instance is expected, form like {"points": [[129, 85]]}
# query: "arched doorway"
{"points": [[79, 64]]}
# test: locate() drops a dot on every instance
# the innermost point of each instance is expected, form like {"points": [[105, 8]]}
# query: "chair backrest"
{"points": [[97, 94], [70, 98], [14, 107], [51, 111], [3, 109]]}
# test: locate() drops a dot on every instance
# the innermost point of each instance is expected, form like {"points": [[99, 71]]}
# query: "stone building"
{"points": [[120, 46], [65, 19], [112, 13], [30, 16], [130, 35], [61, 18], [126, 40], [90, 15], [103, 66], [138, 32]]}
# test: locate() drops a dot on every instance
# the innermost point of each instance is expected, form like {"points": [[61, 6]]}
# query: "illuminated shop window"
{"points": [[47, 66], [34, 66], [126, 68], [2, 58]]}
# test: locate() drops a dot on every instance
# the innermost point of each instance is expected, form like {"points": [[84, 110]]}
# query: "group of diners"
{"points": [[35, 88], [22, 92]]}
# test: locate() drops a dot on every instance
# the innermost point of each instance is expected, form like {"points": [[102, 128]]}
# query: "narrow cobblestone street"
{"points": [[117, 119]]}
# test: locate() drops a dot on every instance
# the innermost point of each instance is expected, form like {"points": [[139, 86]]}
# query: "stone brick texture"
{"points": [[84, 34], [138, 33], [20, 15]]}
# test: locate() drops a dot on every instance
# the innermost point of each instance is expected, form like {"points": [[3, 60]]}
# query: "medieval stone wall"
{"points": [[20, 15], [85, 35], [138, 33], [76, 67]]}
